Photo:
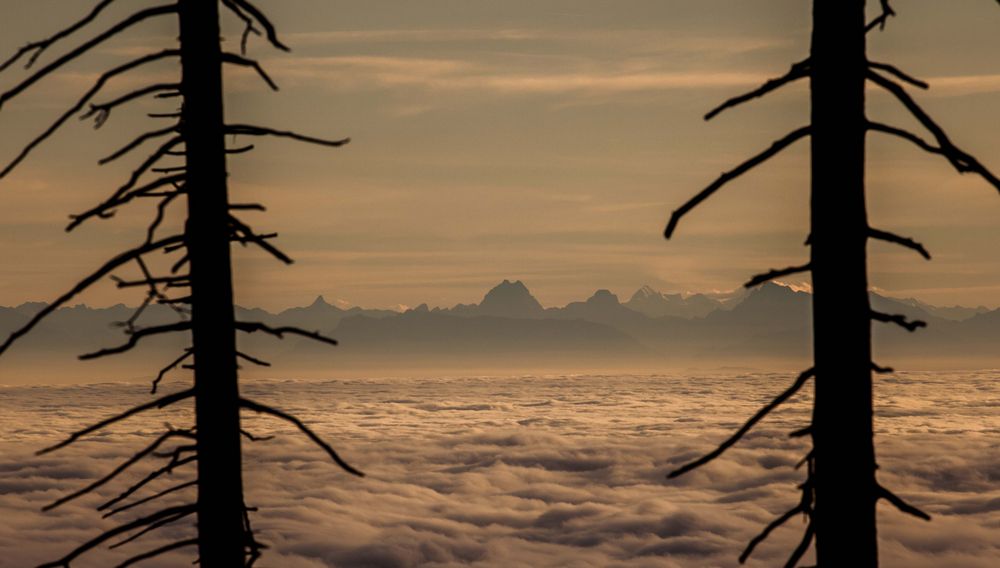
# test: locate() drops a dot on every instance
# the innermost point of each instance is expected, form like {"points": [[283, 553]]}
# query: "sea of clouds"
{"points": [[519, 471]]}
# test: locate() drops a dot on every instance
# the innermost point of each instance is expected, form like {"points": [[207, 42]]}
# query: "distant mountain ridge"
{"points": [[510, 328]]}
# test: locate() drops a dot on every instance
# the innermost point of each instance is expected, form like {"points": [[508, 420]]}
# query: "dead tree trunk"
{"points": [[844, 453], [225, 538], [839, 493], [217, 400]]}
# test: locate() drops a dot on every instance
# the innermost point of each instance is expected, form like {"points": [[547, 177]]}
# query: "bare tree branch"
{"points": [[39, 47], [172, 365], [269, 31], [880, 21], [254, 360], [896, 239], [260, 240], [162, 402], [167, 469], [279, 332], [114, 202], [136, 337], [101, 81], [726, 177], [153, 497], [249, 436], [803, 546], [899, 320], [121, 529], [899, 74], [125, 465], [138, 142], [248, 27], [264, 409], [882, 370], [244, 62], [158, 551], [962, 161], [102, 111], [778, 401], [900, 504], [777, 273], [150, 528], [798, 71], [804, 506], [87, 46], [250, 130], [108, 267]]}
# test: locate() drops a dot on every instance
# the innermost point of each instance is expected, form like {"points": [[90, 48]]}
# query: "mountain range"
{"points": [[510, 331]]}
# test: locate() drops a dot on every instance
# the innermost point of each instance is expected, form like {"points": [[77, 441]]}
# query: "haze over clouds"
{"points": [[526, 471]]}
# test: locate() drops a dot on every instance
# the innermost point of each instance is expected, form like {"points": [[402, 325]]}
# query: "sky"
{"points": [[545, 141]]}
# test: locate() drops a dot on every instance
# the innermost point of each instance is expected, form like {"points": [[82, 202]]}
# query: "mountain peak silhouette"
{"points": [[603, 297], [510, 299]]}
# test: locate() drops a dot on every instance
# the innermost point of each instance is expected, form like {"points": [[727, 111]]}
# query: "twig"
{"points": [[882, 370], [251, 327], [138, 142], [781, 398], [101, 81], [153, 497], [137, 336], [899, 74], [260, 240], [900, 504], [118, 201], [899, 320], [102, 111], [150, 528], [114, 473], [961, 160], [902, 241], [162, 402], [250, 130], [87, 46], [107, 535], [254, 360], [244, 62], [264, 409], [167, 469], [269, 31], [38, 47], [880, 21], [726, 177], [173, 364], [798, 71], [108, 267], [158, 551]]}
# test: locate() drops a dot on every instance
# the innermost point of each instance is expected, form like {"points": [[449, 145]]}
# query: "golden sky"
{"points": [[543, 140]]}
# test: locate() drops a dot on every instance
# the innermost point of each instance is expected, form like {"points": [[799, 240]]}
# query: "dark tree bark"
{"points": [[844, 454], [217, 401]]}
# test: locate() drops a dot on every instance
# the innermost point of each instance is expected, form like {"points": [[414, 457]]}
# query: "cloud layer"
{"points": [[527, 471]]}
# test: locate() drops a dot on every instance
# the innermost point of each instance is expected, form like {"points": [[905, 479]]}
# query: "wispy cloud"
{"points": [[635, 40], [381, 72]]}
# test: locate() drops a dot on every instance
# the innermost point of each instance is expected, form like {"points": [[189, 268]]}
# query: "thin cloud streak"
{"points": [[368, 72]]}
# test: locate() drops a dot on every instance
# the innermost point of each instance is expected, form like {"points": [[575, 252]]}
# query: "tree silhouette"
{"points": [[201, 267], [840, 492]]}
